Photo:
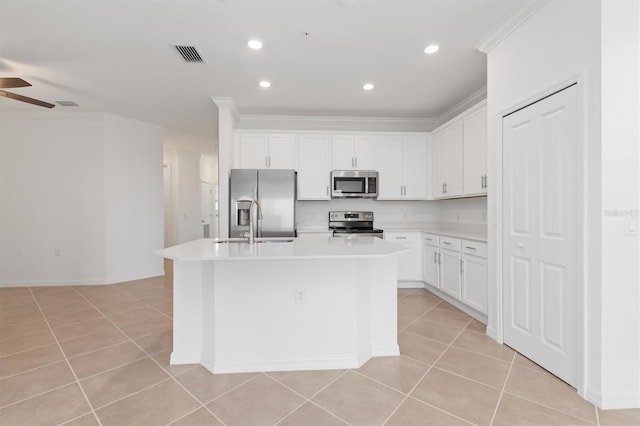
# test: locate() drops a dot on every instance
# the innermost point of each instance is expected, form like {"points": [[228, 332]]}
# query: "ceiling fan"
{"points": [[12, 82]]}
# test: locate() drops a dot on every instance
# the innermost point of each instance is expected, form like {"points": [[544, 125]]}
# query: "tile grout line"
{"points": [[170, 376], [66, 359], [463, 348], [408, 394], [504, 385], [557, 410], [313, 395], [39, 394]]}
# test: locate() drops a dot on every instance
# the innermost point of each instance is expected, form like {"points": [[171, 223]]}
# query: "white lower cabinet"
{"points": [[450, 279], [409, 262], [474, 275], [456, 267], [430, 260]]}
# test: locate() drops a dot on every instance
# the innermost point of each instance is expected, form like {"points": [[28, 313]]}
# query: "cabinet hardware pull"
{"points": [[401, 238], [470, 248], [435, 257], [439, 258], [446, 242], [461, 265], [356, 161], [327, 190], [429, 239]]}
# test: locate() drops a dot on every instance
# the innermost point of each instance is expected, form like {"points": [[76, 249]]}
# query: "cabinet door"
{"points": [[475, 153], [474, 282], [314, 167], [438, 163], [453, 160], [342, 153], [450, 272], [414, 168], [430, 266], [409, 262], [390, 168], [254, 151], [365, 153], [282, 152]]}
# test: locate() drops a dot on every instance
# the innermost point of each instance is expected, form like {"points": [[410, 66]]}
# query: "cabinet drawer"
{"points": [[450, 243], [475, 248], [431, 239], [402, 237]]}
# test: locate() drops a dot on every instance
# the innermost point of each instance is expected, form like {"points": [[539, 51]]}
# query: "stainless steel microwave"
{"points": [[354, 184]]}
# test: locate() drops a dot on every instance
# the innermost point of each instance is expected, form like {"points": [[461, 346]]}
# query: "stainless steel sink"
{"points": [[257, 241]]}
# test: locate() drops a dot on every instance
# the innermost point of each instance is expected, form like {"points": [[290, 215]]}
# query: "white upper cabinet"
{"points": [[267, 151], [447, 161], [254, 151], [353, 152], [314, 167], [460, 156], [475, 153], [403, 167]]}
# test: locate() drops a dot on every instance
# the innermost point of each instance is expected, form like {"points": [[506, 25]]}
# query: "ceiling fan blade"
{"points": [[26, 99], [11, 82]]}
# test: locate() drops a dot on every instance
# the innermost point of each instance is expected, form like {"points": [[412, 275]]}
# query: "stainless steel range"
{"points": [[353, 224]]}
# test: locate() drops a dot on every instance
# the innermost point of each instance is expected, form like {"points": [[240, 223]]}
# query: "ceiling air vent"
{"points": [[66, 103], [189, 54]]}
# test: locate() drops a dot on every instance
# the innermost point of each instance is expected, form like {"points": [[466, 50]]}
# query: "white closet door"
{"points": [[541, 166]]}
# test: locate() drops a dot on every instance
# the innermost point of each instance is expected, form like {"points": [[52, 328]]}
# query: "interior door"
{"points": [[540, 230]]}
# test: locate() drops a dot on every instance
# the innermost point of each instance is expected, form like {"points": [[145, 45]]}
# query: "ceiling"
{"points": [[117, 56]]}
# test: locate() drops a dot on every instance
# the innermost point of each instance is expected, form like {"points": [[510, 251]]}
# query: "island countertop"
{"points": [[309, 247]]}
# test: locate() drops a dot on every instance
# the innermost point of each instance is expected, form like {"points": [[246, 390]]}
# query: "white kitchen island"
{"points": [[309, 304]]}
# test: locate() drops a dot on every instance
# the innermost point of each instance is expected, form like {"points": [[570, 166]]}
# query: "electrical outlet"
{"points": [[300, 296], [56, 252]]}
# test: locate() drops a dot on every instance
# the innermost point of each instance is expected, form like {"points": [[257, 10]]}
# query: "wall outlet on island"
{"points": [[300, 296], [56, 252]]}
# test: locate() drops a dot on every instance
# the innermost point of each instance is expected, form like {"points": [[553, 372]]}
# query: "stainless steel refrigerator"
{"points": [[274, 190]]}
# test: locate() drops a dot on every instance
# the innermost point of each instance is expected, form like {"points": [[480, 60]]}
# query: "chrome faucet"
{"points": [[253, 225]]}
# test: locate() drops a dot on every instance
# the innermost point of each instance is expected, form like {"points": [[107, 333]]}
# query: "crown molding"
{"points": [[227, 102], [301, 122], [474, 99], [509, 25]]}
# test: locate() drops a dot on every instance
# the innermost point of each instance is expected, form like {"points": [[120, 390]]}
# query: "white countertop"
{"points": [[449, 229], [310, 247]]}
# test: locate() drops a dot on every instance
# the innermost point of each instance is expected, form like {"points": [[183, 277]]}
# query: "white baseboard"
{"points": [[254, 366], [410, 284], [464, 308], [72, 282], [613, 400]]}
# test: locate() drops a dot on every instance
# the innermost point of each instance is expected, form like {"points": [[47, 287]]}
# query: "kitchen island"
{"points": [[308, 303]]}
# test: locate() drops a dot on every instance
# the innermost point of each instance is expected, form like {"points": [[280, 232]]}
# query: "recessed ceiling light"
{"points": [[431, 49], [368, 86], [265, 84], [255, 44]]}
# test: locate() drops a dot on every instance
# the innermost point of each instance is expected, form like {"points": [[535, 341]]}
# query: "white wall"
{"points": [[55, 177], [133, 199], [559, 44], [51, 196]]}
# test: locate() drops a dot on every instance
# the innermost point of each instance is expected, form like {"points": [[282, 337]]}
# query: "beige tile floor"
{"points": [[88, 355]]}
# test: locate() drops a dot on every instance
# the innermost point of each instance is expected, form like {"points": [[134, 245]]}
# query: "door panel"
{"points": [[553, 290], [541, 166], [518, 178]]}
